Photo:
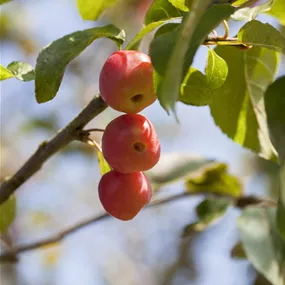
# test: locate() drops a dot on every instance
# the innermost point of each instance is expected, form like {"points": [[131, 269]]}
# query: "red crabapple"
{"points": [[130, 144], [126, 81], [124, 195]]}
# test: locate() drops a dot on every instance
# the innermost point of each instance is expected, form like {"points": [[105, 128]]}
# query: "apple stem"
{"points": [[94, 130], [94, 143]]}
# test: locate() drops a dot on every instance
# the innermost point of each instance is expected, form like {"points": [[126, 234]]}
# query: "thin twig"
{"points": [[94, 130], [49, 148], [214, 33], [225, 36], [241, 202]]}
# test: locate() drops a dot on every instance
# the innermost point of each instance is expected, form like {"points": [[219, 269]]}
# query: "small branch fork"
{"points": [[225, 40], [73, 131], [11, 254]]}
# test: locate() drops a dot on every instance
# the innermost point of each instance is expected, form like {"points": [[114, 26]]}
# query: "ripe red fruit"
{"points": [[124, 195], [130, 144], [126, 81]]}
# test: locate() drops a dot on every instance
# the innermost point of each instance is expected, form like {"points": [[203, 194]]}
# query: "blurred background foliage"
{"points": [[154, 247]]}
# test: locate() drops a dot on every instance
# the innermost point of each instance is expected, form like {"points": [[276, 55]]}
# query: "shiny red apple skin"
{"points": [[124, 195], [130, 144], [126, 81]]}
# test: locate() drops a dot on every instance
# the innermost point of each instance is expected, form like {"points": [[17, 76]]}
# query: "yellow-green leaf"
{"points": [[4, 1], [198, 89], [134, 43], [278, 11], [270, 37], [161, 10], [180, 4], [7, 213], [92, 9], [103, 164], [215, 179], [5, 73], [238, 106], [251, 12]]}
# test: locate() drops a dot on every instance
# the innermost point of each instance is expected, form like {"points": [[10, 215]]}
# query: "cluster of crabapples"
{"points": [[130, 144]]}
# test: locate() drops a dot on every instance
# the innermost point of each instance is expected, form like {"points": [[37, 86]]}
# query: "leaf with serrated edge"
{"points": [[263, 246], [53, 59], [238, 106], [197, 89], [264, 35]]}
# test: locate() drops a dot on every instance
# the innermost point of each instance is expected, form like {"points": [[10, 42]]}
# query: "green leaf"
{"points": [[278, 11], [209, 212], [92, 9], [4, 1], [5, 73], [281, 204], [180, 4], [212, 209], [238, 106], [161, 10], [275, 105], [134, 43], [197, 89], [263, 245], [269, 37], [17, 69], [215, 179], [103, 164], [53, 59], [22, 71], [7, 213], [173, 167], [238, 251], [172, 53], [250, 13], [281, 213]]}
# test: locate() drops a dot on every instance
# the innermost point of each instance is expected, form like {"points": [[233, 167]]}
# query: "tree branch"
{"points": [[241, 202], [48, 148]]}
